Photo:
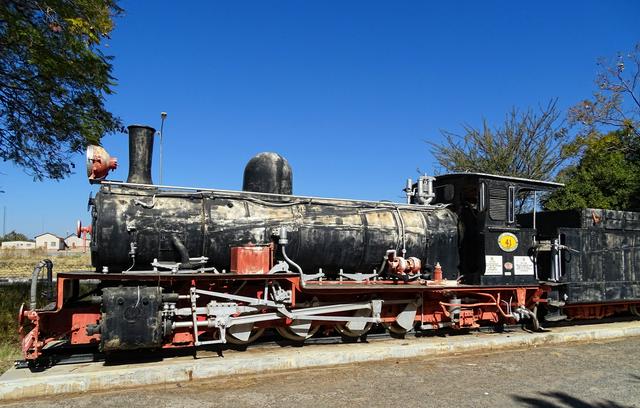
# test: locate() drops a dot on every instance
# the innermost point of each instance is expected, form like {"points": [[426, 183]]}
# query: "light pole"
{"points": [[163, 116]]}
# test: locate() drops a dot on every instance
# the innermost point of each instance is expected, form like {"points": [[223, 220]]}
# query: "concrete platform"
{"points": [[91, 377]]}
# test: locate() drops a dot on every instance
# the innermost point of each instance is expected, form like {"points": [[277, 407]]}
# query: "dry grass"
{"points": [[11, 296], [9, 353], [20, 263]]}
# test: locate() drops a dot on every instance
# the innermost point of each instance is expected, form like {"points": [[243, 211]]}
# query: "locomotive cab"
{"points": [[495, 249]]}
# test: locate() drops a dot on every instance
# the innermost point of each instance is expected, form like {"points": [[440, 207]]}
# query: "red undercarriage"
{"points": [[436, 305]]}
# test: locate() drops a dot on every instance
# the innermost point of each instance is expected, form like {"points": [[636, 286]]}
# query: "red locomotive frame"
{"points": [[425, 305]]}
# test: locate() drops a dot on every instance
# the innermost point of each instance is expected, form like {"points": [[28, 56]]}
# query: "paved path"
{"points": [[602, 374]]}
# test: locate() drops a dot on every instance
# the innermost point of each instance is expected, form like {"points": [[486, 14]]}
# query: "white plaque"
{"points": [[493, 265], [522, 265]]}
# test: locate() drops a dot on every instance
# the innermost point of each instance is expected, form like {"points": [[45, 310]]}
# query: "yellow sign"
{"points": [[508, 242]]}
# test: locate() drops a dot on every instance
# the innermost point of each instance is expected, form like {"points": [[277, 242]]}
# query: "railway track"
{"points": [[271, 339]]}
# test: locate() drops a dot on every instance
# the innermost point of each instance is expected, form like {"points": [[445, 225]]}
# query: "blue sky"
{"points": [[347, 91]]}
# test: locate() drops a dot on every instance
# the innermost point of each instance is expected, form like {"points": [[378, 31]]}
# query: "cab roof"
{"points": [[541, 184]]}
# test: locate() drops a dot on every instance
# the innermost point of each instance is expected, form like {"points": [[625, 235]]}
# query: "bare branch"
{"points": [[527, 144], [617, 103]]}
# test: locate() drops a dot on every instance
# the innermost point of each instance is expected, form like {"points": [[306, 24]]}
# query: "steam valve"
{"points": [[401, 266]]}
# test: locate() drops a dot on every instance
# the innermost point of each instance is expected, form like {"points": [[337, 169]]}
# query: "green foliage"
{"points": [[606, 176], [53, 80], [528, 144], [14, 236]]}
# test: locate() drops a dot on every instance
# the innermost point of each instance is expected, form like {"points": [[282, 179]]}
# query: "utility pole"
{"points": [[4, 222]]}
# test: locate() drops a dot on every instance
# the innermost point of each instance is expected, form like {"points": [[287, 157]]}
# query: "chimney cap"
{"points": [[141, 126]]}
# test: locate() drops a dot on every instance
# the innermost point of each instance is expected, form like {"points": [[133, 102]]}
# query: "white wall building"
{"points": [[18, 245], [50, 242], [75, 243]]}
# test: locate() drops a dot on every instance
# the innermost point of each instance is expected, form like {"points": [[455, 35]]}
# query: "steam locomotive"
{"points": [[187, 267]]}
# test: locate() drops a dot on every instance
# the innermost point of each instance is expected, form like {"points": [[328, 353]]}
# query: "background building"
{"points": [[74, 243], [50, 242], [18, 245]]}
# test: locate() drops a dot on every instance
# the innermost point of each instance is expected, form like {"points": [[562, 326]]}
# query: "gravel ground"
{"points": [[602, 374]]}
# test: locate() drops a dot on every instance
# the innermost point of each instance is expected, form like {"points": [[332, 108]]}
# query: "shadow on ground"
{"points": [[559, 399]]}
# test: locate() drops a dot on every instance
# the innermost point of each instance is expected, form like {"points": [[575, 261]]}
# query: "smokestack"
{"points": [[140, 153]]}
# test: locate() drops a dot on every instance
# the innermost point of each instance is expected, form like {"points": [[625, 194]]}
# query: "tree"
{"points": [[528, 144], [607, 174], [53, 81], [604, 177], [14, 236], [616, 103]]}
